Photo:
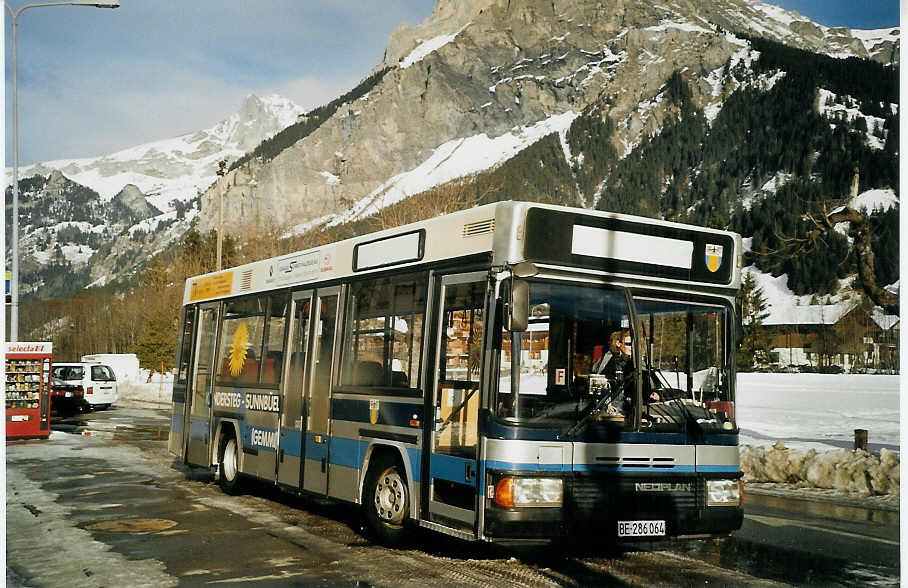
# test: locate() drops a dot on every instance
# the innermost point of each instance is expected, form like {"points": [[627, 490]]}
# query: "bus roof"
{"points": [[510, 232]]}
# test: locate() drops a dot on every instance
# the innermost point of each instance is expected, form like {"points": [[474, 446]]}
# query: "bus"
{"points": [[454, 374]]}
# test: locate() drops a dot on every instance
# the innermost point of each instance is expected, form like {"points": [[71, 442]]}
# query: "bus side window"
{"points": [[383, 338], [272, 360], [242, 335], [186, 345]]}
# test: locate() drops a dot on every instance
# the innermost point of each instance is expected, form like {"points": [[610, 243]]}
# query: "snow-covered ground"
{"points": [[818, 411], [796, 429]]}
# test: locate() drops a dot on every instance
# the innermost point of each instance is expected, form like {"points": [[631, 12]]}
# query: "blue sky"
{"points": [[93, 81], [856, 14]]}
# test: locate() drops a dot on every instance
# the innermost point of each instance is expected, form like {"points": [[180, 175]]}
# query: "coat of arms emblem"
{"points": [[373, 410], [713, 257]]}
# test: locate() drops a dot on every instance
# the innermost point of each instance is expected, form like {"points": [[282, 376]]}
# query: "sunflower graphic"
{"points": [[238, 349]]}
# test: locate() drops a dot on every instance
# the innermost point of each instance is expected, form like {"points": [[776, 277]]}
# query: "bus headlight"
{"points": [[723, 492], [525, 492]]}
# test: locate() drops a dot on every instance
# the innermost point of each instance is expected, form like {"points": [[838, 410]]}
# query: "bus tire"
{"points": [[386, 500], [229, 466]]}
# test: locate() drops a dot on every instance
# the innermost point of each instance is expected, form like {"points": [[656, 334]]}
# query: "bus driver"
{"points": [[616, 364]]}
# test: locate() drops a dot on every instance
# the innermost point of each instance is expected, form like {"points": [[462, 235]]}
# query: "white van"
{"points": [[97, 380]]}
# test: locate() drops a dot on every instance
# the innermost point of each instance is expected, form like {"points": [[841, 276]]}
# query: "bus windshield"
{"points": [[577, 362]]}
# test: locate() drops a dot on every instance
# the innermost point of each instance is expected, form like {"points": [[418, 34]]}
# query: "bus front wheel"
{"points": [[229, 467], [387, 501]]}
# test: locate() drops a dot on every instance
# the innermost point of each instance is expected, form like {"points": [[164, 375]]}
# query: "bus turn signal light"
{"points": [[504, 493]]}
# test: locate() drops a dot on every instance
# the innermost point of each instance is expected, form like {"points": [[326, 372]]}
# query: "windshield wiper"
{"points": [[662, 411], [593, 413]]}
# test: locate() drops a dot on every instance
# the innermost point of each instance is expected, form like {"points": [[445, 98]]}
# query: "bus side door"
{"points": [[293, 390], [318, 397], [176, 442], [452, 470], [198, 450]]}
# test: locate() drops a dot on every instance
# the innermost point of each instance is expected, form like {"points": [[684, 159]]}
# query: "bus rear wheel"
{"points": [[229, 466], [387, 501]]}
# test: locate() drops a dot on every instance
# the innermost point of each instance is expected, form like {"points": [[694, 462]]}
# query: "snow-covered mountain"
{"points": [[177, 168], [475, 85], [481, 80], [95, 220]]}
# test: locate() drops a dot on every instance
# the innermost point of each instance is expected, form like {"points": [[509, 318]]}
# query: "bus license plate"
{"points": [[641, 528]]}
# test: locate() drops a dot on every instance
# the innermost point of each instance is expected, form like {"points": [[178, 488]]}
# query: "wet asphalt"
{"points": [[106, 504]]}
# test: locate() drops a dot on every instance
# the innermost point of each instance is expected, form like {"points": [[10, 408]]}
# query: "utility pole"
{"points": [[222, 170], [14, 276]]}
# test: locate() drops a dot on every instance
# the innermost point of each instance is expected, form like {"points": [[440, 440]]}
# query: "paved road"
{"points": [[809, 542], [105, 504]]}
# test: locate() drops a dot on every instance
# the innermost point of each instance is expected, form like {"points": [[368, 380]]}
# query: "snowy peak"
{"points": [[741, 16], [107, 215], [794, 29], [447, 19], [485, 71], [178, 168], [879, 41], [256, 120]]}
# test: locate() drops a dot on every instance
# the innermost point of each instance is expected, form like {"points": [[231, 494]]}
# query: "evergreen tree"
{"points": [[157, 344], [752, 311]]}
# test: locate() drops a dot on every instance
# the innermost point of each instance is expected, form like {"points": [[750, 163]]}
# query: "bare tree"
{"points": [[860, 232]]}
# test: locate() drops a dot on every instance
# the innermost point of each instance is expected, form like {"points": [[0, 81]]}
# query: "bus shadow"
{"points": [[560, 559], [321, 507]]}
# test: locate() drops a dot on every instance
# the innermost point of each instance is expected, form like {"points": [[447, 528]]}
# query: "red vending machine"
{"points": [[27, 390]]}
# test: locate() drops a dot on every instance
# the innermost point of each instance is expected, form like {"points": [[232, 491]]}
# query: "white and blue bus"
{"points": [[453, 374]]}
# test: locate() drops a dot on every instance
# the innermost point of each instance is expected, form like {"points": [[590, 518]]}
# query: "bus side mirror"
{"points": [[518, 306]]}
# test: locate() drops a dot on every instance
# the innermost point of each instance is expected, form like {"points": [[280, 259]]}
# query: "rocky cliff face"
{"points": [[484, 70], [70, 237], [130, 205], [474, 85]]}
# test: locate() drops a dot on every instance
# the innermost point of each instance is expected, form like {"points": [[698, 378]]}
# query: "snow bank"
{"points": [[857, 472], [157, 389]]}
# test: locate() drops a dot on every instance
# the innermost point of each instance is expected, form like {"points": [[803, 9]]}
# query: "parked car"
{"points": [[96, 381], [66, 398]]}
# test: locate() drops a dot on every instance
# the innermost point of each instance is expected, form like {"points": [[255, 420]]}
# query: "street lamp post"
{"points": [[14, 278], [222, 171]]}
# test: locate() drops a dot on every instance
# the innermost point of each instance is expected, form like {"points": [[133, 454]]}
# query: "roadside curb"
{"points": [[823, 495]]}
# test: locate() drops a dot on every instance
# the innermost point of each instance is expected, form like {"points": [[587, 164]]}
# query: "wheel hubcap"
{"points": [[230, 460], [391, 497]]}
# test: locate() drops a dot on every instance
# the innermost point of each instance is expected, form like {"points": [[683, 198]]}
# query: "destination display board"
{"points": [[624, 246], [219, 284]]}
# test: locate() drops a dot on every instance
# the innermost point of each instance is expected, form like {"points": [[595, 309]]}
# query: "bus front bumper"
{"points": [[602, 506]]}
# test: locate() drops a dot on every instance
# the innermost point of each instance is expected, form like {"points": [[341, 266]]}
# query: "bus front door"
{"points": [[176, 442], [293, 414], [318, 396], [452, 470], [198, 450]]}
